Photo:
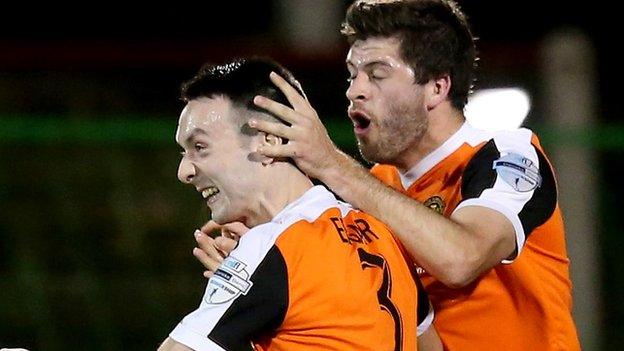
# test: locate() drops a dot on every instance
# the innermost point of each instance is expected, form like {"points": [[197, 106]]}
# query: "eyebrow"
{"points": [[371, 63], [195, 132]]}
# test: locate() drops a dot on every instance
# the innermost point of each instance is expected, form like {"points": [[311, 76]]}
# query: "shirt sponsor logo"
{"points": [[518, 171], [228, 282]]}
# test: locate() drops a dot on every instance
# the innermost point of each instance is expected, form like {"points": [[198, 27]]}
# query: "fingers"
{"points": [[234, 229], [278, 129], [225, 245], [274, 128], [277, 151], [293, 96], [230, 235], [203, 258], [211, 251], [207, 244], [282, 111], [207, 252], [210, 227]]}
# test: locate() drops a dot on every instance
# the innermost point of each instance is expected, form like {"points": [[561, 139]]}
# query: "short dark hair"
{"points": [[240, 80], [435, 38]]}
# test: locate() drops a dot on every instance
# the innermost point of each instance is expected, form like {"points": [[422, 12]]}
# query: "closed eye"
{"points": [[199, 147], [378, 74]]}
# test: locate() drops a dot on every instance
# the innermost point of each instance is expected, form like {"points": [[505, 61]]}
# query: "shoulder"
{"points": [[387, 174], [313, 213], [383, 171], [519, 147], [518, 141], [514, 156]]}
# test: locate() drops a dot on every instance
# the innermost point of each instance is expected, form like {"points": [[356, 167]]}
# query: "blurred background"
{"points": [[96, 231]]}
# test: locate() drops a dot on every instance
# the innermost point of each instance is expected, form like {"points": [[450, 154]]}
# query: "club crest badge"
{"points": [[519, 172], [435, 203], [228, 282]]}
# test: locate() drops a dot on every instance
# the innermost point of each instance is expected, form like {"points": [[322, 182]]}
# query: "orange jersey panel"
{"points": [[319, 276], [344, 290], [522, 305]]}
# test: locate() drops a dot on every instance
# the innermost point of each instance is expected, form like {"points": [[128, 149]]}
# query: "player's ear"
{"points": [[436, 91], [269, 140]]}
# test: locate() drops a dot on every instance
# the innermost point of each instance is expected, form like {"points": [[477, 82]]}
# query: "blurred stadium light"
{"points": [[498, 109]]}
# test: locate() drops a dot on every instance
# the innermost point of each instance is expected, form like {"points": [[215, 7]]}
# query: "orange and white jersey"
{"points": [[319, 276], [525, 302]]}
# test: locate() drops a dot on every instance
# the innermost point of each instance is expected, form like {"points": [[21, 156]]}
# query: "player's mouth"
{"points": [[361, 121], [210, 194]]}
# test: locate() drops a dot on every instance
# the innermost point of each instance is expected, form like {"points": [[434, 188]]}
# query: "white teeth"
{"points": [[209, 192]]}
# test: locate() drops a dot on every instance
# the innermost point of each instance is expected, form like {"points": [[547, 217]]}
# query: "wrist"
{"points": [[340, 172]]}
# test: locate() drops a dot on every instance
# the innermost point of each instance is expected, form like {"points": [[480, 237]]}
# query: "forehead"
{"points": [[374, 49], [203, 115]]}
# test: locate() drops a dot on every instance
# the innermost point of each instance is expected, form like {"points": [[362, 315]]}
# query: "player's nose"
{"points": [[186, 171]]}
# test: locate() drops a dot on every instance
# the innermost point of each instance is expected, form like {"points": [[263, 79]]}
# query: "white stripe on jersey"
{"points": [[243, 261], [427, 322], [502, 197], [466, 134]]}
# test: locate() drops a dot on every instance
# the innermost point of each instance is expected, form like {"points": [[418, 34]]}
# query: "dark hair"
{"points": [[239, 80], [435, 38]]}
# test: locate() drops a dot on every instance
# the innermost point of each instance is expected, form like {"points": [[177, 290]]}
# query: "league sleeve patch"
{"points": [[518, 171], [228, 282]]}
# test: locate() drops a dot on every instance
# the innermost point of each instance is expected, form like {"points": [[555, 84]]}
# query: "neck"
{"points": [[284, 184], [443, 122]]}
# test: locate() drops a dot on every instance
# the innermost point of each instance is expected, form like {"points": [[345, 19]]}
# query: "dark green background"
{"points": [[95, 229]]}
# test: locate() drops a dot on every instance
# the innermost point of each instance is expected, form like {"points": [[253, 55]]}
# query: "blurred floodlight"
{"points": [[498, 109]]}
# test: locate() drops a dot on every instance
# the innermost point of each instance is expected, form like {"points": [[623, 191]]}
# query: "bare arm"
{"points": [[171, 345], [455, 250], [430, 340]]}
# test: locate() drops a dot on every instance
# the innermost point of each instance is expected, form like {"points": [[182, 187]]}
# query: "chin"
{"points": [[225, 217], [219, 217], [368, 152]]}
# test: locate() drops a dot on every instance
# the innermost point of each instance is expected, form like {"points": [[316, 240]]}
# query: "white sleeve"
{"points": [[246, 297], [187, 336], [511, 176], [427, 322]]}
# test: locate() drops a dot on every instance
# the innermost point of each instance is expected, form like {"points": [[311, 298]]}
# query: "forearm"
{"points": [[172, 345], [441, 246], [430, 341]]}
